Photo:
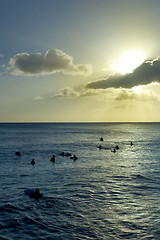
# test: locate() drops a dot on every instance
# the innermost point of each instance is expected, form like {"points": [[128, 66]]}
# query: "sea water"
{"points": [[102, 195]]}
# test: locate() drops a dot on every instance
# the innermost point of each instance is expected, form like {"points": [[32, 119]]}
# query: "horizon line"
{"points": [[80, 122]]}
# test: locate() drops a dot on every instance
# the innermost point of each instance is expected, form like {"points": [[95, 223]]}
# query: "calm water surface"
{"points": [[102, 195]]}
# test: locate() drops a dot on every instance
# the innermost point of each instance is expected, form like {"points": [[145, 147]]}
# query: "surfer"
{"points": [[18, 153], [36, 194], [33, 193], [74, 157], [33, 162], [114, 150], [53, 158], [100, 147]]}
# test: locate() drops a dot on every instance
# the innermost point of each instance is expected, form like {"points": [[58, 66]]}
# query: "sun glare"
{"points": [[138, 89], [128, 61]]}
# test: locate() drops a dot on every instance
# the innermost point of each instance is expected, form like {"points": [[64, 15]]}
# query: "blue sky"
{"points": [[88, 60]]}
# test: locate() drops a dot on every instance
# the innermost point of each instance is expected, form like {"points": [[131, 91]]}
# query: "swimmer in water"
{"points": [[100, 147], [53, 158], [36, 194], [18, 153], [33, 162]]}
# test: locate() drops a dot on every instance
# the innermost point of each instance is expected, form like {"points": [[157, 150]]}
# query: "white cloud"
{"points": [[37, 98], [53, 61]]}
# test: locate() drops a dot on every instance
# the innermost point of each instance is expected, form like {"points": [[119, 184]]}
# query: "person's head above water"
{"points": [[37, 191]]}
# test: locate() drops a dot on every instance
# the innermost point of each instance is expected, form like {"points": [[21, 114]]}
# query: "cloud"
{"points": [[1, 55], [136, 94], [145, 74], [81, 92], [53, 61], [38, 98], [67, 92], [140, 93], [143, 95]]}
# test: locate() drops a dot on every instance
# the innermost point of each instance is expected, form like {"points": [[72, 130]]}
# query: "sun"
{"points": [[128, 61]]}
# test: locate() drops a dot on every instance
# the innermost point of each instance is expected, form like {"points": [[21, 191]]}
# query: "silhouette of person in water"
{"points": [[75, 157], [33, 162], [114, 150], [100, 147], [36, 194], [53, 158], [18, 153]]}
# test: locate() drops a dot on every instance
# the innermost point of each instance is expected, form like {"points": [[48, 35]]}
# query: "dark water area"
{"points": [[102, 195]]}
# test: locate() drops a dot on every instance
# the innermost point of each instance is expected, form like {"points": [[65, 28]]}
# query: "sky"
{"points": [[79, 61]]}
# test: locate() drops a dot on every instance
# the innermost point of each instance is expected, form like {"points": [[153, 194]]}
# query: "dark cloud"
{"points": [[146, 73], [53, 61]]}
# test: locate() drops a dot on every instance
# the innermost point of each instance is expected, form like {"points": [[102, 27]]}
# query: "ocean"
{"points": [[103, 195]]}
